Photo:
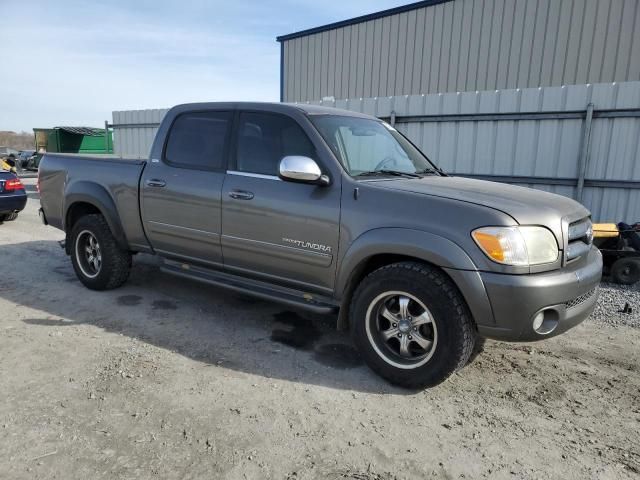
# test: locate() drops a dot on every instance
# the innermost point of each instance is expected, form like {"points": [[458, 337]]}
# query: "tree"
{"points": [[19, 141]]}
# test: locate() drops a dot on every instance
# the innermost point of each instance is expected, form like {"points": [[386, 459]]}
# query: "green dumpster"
{"points": [[84, 140]]}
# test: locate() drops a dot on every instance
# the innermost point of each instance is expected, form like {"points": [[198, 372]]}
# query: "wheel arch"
{"points": [[380, 247], [86, 198]]}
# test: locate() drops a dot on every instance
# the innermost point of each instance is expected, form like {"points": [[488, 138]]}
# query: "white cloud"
{"points": [[74, 62], [66, 75]]}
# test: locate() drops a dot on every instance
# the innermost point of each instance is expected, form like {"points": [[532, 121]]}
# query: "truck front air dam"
{"points": [[538, 306]]}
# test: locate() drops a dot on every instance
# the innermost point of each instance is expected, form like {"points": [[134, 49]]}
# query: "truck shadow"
{"points": [[206, 324]]}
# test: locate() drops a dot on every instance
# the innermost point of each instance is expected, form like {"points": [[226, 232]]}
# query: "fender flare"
{"points": [[418, 244], [96, 195], [423, 245]]}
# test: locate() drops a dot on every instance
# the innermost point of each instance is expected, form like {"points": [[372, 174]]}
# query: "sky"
{"points": [[68, 62]]}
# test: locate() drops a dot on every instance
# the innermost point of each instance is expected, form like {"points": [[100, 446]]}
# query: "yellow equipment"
{"points": [[6, 165], [620, 248], [605, 230]]}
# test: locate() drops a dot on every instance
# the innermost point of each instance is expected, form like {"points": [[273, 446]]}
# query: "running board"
{"points": [[287, 296]]}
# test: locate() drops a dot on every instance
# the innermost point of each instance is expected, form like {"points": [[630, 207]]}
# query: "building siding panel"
{"points": [[418, 51], [634, 55], [549, 148], [464, 45]]}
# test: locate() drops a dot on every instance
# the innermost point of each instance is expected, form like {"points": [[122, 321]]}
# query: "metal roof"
{"points": [[86, 131], [363, 18]]}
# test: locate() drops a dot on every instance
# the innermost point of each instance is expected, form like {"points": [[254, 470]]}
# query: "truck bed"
{"points": [[67, 179]]}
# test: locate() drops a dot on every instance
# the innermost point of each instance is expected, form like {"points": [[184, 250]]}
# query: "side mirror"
{"points": [[300, 169]]}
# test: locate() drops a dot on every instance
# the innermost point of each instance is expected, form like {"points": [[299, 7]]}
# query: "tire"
{"points": [[8, 217], [478, 348], [439, 335], [626, 271], [98, 261]]}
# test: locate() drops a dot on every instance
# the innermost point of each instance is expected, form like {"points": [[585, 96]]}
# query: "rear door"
{"points": [[181, 192], [283, 231]]}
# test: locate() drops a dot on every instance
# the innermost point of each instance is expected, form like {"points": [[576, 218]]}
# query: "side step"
{"points": [[287, 296]]}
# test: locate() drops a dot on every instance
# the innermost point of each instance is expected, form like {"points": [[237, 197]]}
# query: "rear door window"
{"points": [[199, 140]]}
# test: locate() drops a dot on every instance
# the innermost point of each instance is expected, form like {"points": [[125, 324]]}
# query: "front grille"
{"points": [[581, 299], [580, 238]]}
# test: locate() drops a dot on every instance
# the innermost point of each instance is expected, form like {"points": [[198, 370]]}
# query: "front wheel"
{"points": [[411, 324], [99, 263]]}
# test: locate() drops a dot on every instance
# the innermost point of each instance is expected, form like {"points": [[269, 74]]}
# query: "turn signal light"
{"points": [[522, 245], [490, 244]]}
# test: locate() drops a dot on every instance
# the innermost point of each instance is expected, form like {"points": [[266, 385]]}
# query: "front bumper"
{"points": [[570, 294], [12, 203]]}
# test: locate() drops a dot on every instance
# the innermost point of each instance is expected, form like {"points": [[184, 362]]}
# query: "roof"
{"points": [[86, 131], [363, 18], [274, 107], [322, 110]]}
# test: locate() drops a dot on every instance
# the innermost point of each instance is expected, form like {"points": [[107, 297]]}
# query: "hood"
{"points": [[525, 205]]}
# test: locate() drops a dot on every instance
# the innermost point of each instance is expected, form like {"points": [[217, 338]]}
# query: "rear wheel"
{"points": [[626, 271], [8, 217], [411, 324], [98, 261]]}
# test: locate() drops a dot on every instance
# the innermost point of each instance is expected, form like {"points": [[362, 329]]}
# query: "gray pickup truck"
{"points": [[333, 211]]}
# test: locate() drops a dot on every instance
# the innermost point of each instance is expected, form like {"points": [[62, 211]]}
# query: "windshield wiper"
{"points": [[395, 173], [430, 171], [399, 173]]}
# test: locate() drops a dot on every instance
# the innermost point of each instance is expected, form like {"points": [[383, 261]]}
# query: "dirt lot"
{"points": [[169, 379]]}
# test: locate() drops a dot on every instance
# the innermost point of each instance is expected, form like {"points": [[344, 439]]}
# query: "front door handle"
{"points": [[241, 195], [154, 182]]}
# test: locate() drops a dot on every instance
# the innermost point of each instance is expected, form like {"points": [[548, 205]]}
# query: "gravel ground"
{"points": [[170, 379], [612, 305]]}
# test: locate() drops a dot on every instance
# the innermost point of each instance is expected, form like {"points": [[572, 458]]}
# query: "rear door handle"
{"points": [[154, 182], [241, 195]]}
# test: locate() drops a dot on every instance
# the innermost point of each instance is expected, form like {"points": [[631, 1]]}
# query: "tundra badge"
{"points": [[308, 245]]}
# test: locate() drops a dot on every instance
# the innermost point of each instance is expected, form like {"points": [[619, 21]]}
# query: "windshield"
{"points": [[366, 147]]}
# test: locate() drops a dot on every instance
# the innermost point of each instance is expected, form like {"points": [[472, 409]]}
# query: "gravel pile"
{"points": [[612, 302]]}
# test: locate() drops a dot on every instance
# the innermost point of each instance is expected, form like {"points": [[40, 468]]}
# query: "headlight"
{"points": [[517, 245]]}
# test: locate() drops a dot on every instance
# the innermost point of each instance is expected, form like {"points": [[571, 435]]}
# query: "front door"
{"points": [[278, 230], [181, 192]]}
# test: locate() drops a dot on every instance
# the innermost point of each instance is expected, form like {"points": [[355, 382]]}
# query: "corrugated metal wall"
{"points": [[547, 151], [468, 45], [134, 131]]}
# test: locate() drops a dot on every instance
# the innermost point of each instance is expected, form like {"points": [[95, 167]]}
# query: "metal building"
{"points": [[439, 46], [541, 93]]}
